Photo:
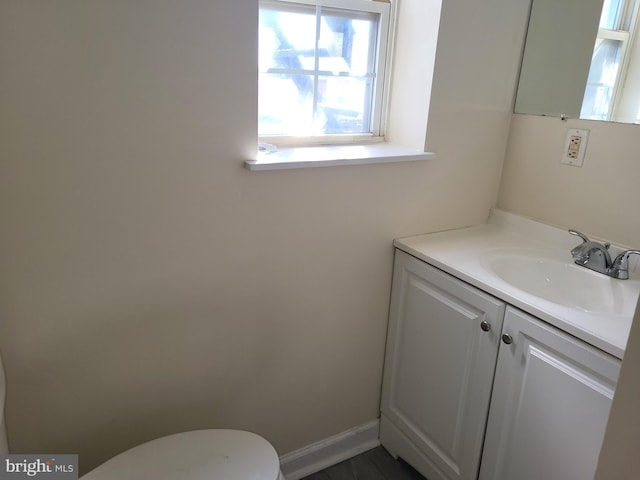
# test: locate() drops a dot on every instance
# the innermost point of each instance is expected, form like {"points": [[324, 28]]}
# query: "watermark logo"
{"points": [[49, 467]]}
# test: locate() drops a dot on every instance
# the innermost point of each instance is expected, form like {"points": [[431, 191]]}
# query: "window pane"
{"points": [[343, 104], [603, 73], [287, 38], [315, 81], [347, 44], [285, 104], [611, 14]]}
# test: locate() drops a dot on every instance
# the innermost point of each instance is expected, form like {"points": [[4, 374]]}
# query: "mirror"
{"points": [[581, 60]]}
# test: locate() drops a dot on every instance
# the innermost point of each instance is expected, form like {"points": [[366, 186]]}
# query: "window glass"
{"points": [[612, 11], [609, 60], [603, 74], [317, 70]]}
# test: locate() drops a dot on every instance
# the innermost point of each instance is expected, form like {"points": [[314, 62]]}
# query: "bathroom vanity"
{"points": [[502, 355]]}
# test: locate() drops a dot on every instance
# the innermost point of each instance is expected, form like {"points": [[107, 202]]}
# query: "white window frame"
{"points": [[381, 84], [623, 37], [623, 32], [627, 31]]}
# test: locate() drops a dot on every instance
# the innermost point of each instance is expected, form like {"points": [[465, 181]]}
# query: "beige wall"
{"points": [[601, 198], [148, 283]]}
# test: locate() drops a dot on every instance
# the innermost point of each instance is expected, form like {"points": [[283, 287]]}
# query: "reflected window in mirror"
{"points": [[603, 93]]}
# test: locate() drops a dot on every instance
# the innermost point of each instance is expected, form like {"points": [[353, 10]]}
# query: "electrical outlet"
{"points": [[574, 147]]}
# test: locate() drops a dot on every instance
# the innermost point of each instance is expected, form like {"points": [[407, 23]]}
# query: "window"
{"points": [[609, 59], [322, 67]]}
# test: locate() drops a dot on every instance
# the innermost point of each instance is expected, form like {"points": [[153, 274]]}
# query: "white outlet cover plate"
{"points": [[579, 160]]}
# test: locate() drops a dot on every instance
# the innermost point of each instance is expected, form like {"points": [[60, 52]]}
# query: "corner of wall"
{"points": [[414, 46]]}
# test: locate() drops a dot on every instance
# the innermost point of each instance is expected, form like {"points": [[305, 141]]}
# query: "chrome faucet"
{"points": [[620, 267], [595, 256]]}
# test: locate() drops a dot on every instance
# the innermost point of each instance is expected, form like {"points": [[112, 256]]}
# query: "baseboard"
{"points": [[332, 450]]}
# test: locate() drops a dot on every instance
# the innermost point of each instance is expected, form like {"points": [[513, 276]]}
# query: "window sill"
{"points": [[306, 157]]}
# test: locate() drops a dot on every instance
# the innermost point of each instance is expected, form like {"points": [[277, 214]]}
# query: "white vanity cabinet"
{"points": [[441, 353], [551, 400], [449, 355]]}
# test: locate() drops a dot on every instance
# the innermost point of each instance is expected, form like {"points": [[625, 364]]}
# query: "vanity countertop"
{"points": [[461, 253]]}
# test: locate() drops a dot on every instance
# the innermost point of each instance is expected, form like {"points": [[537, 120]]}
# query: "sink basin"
{"points": [[560, 281]]}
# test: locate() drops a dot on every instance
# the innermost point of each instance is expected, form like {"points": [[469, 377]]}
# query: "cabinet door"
{"points": [[550, 406], [439, 368]]}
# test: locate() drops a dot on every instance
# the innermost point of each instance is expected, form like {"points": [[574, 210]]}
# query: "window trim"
{"points": [[383, 61], [622, 36], [627, 31], [331, 156], [624, 32]]}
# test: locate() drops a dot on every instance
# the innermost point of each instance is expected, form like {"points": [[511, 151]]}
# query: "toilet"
{"points": [[195, 455]]}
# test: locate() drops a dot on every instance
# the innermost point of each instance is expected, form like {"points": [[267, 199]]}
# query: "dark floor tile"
{"points": [[322, 475], [374, 464], [390, 468]]}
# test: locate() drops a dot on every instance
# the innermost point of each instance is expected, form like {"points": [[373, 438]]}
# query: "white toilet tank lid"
{"points": [[195, 455]]}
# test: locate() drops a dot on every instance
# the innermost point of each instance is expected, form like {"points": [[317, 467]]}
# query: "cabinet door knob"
{"points": [[506, 338], [485, 326]]}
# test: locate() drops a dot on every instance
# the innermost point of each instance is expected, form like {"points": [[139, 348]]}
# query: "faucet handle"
{"points": [[584, 238], [621, 263]]}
